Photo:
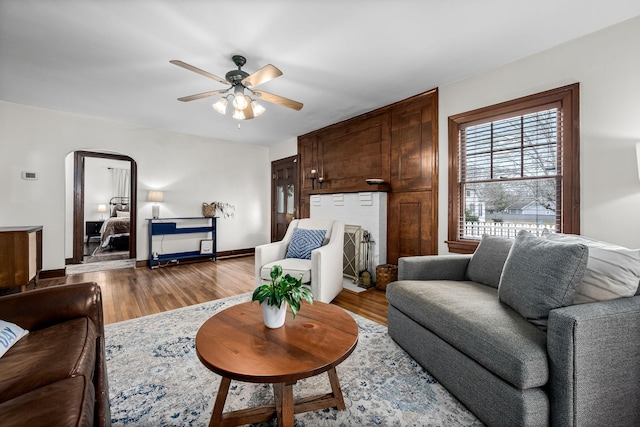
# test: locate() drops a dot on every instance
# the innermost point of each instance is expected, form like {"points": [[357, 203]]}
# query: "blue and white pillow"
{"points": [[10, 333], [303, 241]]}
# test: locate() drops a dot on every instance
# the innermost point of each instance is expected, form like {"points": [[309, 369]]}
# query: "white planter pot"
{"points": [[274, 317]]}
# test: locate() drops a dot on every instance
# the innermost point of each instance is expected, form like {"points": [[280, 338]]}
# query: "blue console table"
{"points": [[166, 226]]}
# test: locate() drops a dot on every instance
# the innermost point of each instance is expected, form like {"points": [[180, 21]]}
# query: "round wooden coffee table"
{"points": [[236, 345]]}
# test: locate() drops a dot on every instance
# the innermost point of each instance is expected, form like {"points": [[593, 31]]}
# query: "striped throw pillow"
{"points": [[612, 271]]}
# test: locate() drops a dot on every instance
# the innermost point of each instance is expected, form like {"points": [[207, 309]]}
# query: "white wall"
{"points": [[189, 169], [284, 149], [607, 66]]}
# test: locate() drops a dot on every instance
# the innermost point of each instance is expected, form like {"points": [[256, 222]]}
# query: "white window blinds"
{"points": [[510, 173]]}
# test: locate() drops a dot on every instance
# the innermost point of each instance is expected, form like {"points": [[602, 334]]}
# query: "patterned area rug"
{"points": [[156, 379]]}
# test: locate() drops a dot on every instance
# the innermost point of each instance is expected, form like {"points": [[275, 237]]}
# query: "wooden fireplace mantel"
{"points": [[386, 188]]}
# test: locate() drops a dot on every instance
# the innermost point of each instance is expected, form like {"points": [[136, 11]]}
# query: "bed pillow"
{"points": [[541, 275], [119, 208], [488, 260], [122, 214], [10, 333], [612, 271], [303, 241]]}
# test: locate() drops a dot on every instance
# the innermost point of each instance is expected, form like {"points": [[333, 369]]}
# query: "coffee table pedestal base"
{"points": [[284, 407]]}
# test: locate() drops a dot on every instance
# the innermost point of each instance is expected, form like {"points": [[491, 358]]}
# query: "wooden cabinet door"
{"points": [[412, 227], [283, 195], [413, 144]]}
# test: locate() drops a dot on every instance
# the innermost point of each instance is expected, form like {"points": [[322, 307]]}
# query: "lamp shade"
{"points": [[240, 102], [102, 208], [238, 115], [257, 108], [221, 106], [155, 196]]}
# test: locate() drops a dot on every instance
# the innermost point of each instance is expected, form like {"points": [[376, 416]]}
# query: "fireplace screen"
{"points": [[351, 252]]}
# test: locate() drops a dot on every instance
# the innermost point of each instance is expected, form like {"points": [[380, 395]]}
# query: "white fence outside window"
{"points": [[503, 229]]}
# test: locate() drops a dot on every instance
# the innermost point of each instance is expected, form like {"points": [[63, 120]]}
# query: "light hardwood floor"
{"points": [[131, 293]]}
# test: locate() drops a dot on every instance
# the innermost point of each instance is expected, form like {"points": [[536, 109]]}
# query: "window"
{"points": [[519, 160]]}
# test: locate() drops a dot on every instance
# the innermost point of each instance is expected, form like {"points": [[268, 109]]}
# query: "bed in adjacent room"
{"points": [[114, 234]]}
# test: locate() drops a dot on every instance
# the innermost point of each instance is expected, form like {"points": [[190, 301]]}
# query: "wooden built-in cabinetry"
{"points": [[397, 143], [20, 256]]}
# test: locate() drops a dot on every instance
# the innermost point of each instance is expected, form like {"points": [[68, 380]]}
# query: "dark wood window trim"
{"points": [[568, 98]]}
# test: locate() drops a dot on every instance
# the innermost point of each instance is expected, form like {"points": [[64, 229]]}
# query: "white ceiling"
{"points": [[341, 58]]}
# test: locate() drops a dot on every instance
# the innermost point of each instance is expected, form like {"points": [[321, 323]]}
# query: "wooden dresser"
{"points": [[20, 256]]}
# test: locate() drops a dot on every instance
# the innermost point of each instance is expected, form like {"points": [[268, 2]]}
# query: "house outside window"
{"points": [[515, 167]]}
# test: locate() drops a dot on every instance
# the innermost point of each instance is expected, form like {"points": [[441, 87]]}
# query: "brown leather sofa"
{"points": [[56, 375]]}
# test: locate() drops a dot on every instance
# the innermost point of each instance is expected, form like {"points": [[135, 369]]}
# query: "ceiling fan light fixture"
{"points": [[257, 108], [221, 105], [238, 114], [240, 102], [245, 107]]}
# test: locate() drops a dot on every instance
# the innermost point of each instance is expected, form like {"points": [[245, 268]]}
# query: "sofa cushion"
{"points": [[47, 355], [68, 402], [469, 317], [488, 260], [612, 271], [304, 241], [292, 266], [540, 275]]}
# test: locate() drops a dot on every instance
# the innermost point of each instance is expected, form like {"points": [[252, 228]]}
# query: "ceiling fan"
{"points": [[243, 88]]}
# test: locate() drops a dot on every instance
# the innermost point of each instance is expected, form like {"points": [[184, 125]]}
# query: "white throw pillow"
{"points": [[122, 214], [10, 333], [612, 271]]}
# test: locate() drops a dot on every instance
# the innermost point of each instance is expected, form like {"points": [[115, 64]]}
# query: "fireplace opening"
{"points": [[351, 252]]}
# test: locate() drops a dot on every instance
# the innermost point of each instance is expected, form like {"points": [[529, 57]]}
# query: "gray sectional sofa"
{"points": [[501, 331]]}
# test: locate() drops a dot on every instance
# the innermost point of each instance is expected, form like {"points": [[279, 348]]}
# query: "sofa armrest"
{"points": [[433, 267], [327, 266], [264, 254], [43, 307], [594, 356]]}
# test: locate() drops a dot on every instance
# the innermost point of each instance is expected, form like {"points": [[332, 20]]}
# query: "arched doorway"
{"points": [[80, 225]]}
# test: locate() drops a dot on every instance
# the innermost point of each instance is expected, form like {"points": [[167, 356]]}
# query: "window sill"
{"points": [[462, 246]]}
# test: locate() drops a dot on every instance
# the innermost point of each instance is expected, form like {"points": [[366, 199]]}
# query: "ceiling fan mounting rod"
{"points": [[239, 60]]}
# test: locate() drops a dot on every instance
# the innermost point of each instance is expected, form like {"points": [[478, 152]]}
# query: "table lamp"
{"points": [[102, 209], [156, 197]]}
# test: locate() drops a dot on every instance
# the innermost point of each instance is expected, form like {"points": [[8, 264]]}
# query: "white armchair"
{"points": [[323, 272]]}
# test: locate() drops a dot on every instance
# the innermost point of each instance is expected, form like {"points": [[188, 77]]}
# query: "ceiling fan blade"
{"points": [[248, 112], [276, 99], [199, 71], [201, 95], [263, 75]]}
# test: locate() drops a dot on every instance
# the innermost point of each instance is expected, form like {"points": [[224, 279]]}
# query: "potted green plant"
{"points": [[275, 296]]}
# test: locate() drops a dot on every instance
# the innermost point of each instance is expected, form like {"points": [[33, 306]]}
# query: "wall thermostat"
{"points": [[29, 175]]}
